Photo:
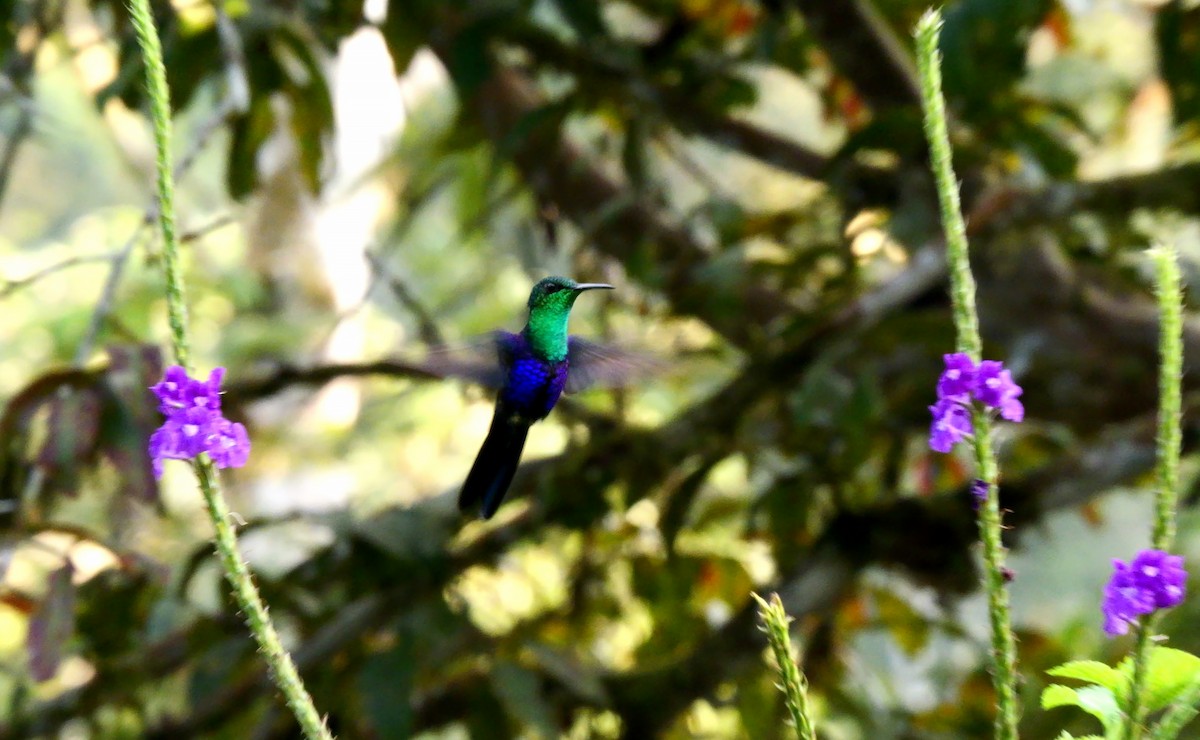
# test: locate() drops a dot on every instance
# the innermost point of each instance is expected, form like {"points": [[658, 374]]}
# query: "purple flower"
{"points": [[166, 444], [951, 424], [979, 492], [229, 446], [994, 386], [959, 384], [1162, 574], [958, 379], [176, 391], [1152, 580], [194, 423]]}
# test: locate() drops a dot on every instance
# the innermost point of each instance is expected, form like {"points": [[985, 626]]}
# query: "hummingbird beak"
{"points": [[592, 286]]}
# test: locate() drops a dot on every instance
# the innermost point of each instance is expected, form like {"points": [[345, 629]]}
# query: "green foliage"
{"points": [[1095, 700], [1091, 671], [1177, 31], [1169, 674]]}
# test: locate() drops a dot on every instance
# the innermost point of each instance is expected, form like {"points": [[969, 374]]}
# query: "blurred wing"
{"points": [[481, 360], [596, 365]]}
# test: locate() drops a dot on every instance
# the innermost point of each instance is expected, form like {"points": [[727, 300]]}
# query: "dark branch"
{"points": [[285, 376], [506, 105], [621, 82], [865, 50]]}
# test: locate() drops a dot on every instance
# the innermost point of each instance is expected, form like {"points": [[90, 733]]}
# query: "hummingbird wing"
{"points": [[482, 360], [595, 365]]}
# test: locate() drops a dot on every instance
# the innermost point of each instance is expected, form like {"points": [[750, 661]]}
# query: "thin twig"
{"points": [[427, 328], [108, 293], [8, 287], [119, 258], [233, 103], [219, 222]]}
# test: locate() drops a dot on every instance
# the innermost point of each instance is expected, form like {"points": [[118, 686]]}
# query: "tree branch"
{"points": [[865, 50], [661, 254], [620, 81]]}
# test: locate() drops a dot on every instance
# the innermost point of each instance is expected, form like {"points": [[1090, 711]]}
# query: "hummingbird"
{"points": [[534, 368]]}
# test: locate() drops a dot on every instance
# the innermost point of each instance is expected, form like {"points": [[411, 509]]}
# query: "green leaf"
{"points": [[385, 675], [520, 693], [1092, 671], [1056, 695], [583, 18], [312, 105], [214, 667], [983, 47], [405, 30], [469, 61], [1095, 700], [1169, 672], [1177, 31], [907, 627], [411, 534], [249, 133], [583, 680]]}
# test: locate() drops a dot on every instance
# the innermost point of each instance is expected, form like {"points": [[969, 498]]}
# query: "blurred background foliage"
{"points": [[358, 181]]}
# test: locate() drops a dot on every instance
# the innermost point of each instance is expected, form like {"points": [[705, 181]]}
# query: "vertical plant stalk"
{"points": [[966, 324], [791, 680], [1170, 373], [283, 670]]}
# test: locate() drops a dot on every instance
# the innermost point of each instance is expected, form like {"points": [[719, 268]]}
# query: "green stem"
{"points": [[966, 322], [1141, 660], [1170, 307], [283, 670], [1170, 372], [791, 680]]}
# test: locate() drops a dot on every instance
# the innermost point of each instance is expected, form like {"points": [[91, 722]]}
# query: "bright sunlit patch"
{"points": [[73, 672], [527, 582], [195, 17], [90, 559], [868, 218], [13, 628]]}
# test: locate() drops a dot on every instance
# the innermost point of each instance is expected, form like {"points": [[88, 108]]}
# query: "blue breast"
{"points": [[534, 385]]}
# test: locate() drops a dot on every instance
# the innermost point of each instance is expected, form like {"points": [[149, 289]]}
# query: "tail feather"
{"points": [[495, 465]]}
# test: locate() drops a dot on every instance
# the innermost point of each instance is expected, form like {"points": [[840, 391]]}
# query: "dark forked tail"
{"points": [[495, 464]]}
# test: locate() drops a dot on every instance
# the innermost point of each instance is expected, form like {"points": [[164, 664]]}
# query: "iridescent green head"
{"points": [[550, 304]]}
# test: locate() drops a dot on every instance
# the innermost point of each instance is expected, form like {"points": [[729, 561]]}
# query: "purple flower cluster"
{"points": [[1152, 580], [961, 381], [194, 422]]}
